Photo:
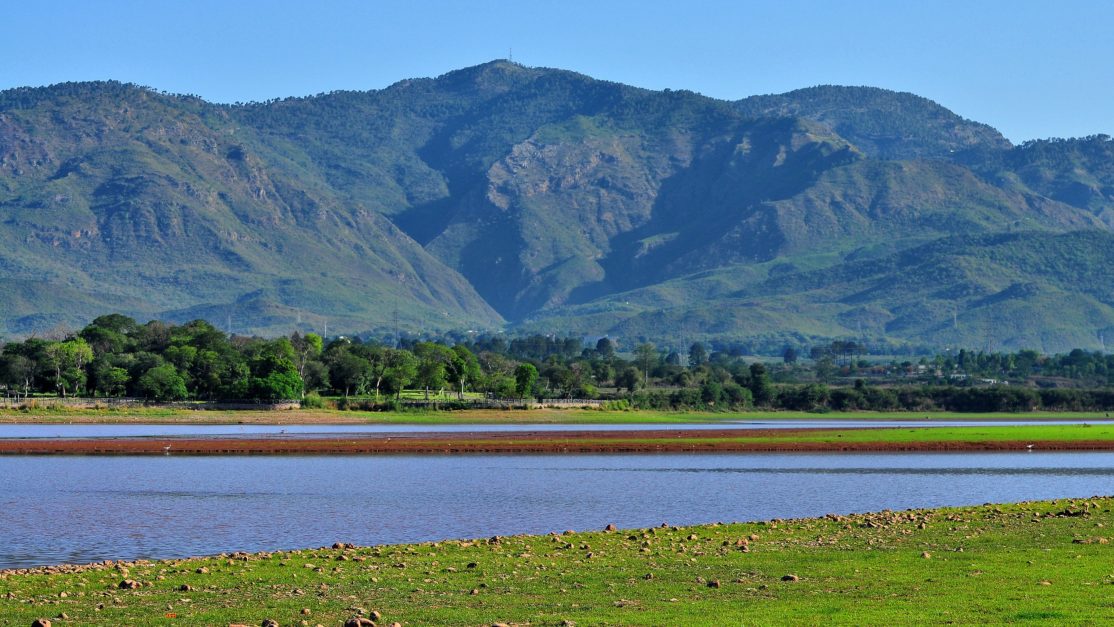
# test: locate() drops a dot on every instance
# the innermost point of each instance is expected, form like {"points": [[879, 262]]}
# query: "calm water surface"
{"points": [[82, 509], [186, 430]]}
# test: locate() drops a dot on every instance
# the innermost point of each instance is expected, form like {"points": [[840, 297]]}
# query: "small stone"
{"points": [[648, 576], [790, 578], [40, 622], [471, 565], [610, 527], [128, 584], [926, 555], [1045, 583], [714, 583], [185, 588], [269, 622], [340, 545], [202, 571], [359, 621], [375, 616], [306, 611]]}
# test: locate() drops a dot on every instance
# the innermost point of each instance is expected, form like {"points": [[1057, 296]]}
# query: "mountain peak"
{"points": [[883, 123]]}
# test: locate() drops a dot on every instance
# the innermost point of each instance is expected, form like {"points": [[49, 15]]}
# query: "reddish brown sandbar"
{"points": [[718, 440]]}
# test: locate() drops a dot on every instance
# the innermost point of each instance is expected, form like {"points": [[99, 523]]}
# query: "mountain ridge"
{"points": [[502, 196]]}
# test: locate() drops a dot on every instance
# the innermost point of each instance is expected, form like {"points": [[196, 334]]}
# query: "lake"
{"points": [[81, 509], [196, 430]]}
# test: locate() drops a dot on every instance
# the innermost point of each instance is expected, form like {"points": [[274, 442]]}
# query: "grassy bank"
{"points": [[1042, 561], [482, 416]]}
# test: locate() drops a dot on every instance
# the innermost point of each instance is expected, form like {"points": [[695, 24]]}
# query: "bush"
{"points": [[313, 400]]}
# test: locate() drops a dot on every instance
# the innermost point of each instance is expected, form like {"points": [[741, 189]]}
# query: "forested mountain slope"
{"points": [[502, 196]]}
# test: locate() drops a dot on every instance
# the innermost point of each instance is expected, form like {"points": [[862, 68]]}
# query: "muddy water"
{"points": [[82, 509]]}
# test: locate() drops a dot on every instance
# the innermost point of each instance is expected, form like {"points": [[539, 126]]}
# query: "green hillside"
{"points": [[535, 199], [163, 205]]}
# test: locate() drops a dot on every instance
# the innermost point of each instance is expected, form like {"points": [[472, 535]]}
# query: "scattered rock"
{"points": [[306, 611], [790, 578], [714, 583], [40, 622], [340, 545], [185, 588], [375, 616], [471, 565], [359, 621], [1045, 582], [128, 584], [926, 555], [202, 571], [610, 527], [269, 622]]}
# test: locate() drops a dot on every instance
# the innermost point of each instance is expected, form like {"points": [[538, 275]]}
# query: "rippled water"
{"points": [[81, 509], [184, 430]]}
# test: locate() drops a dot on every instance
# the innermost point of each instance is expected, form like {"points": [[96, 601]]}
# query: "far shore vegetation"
{"points": [[116, 358]]}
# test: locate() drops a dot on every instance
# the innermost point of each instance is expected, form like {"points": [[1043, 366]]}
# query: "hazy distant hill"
{"points": [[546, 200]]}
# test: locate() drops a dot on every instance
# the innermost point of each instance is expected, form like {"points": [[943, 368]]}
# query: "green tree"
{"points": [[307, 349], [274, 375], [760, 386], [605, 348], [790, 355], [162, 383], [68, 359], [646, 358], [462, 368], [349, 372], [629, 379], [525, 378], [108, 378], [433, 362], [698, 356]]}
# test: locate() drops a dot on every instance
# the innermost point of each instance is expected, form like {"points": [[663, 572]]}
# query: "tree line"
{"points": [[116, 356]]}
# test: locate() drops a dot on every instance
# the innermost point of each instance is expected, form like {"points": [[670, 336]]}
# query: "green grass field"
{"points": [[1041, 562]]}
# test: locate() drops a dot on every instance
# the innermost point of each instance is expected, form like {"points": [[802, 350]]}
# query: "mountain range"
{"points": [[505, 197]]}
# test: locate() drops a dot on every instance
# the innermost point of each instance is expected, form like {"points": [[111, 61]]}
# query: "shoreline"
{"points": [[1047, 560], [570, 442]]}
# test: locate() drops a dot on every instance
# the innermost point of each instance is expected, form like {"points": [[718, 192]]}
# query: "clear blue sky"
{"points": [[1031, 69]]}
